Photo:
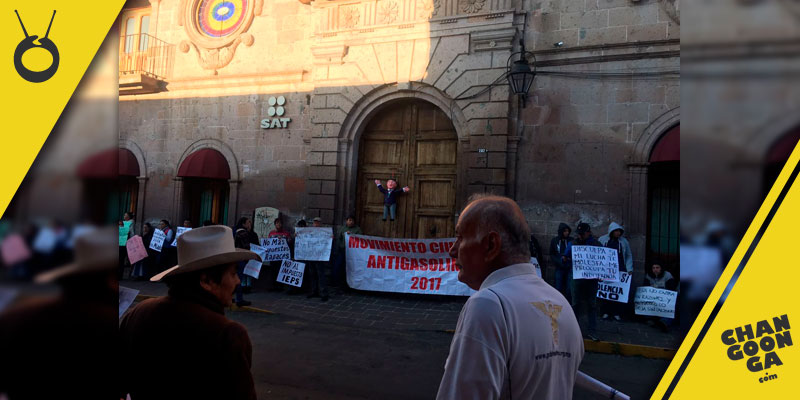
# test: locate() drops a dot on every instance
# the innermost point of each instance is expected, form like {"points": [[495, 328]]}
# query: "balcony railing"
{"points": [[146, 55]]}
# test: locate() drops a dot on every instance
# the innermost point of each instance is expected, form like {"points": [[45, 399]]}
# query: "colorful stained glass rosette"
{"points": [[219, 18]]}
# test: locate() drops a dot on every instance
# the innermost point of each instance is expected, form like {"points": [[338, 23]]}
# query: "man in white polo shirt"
{"points": [[517, 337]]}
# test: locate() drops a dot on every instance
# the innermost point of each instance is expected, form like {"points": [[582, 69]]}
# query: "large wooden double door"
{"points": [[416, 143]]}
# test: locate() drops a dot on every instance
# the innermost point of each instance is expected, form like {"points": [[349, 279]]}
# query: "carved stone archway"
{"points": [[354, 124]]}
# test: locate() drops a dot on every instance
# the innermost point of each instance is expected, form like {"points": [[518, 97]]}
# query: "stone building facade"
{"points": [[307, 102]]}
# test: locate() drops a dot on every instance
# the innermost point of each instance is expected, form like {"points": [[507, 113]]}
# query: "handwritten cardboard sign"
{"points": [[14, 250], [181, 231], [158, 240], [592, 262], [252, 268], [313, 244], [291, 273], [655, 302], [615, 291], [276, 249], [135, 249], [126, 297]]}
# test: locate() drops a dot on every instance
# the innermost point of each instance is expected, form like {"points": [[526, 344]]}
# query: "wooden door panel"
{"points": [[417, 144], [429, 227], [383, 153], [435, 194], [436, 152]]}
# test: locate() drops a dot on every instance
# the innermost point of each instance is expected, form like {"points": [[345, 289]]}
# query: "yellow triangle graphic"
{"points": [[30, 109], [763, 301]]}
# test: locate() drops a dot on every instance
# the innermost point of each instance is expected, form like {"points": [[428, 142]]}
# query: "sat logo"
{"points": [[275, 110], [766, 338]]}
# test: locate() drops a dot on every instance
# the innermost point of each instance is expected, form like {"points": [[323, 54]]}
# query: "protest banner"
{"points": [[181, 231], [276, 249], [536, 266], [262, 252], [135, 248], [158, 240], [252, 268], [313, 244], [291, 273], [403, 265], [655, 302], [615, 291], [593, 262], [126, 297], [264, 221], [14, 250]]}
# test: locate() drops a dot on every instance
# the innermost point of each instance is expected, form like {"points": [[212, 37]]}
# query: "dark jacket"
{"points": [[559, 247], [62, 347], [536, 250], [390, 196], [182, 346]]}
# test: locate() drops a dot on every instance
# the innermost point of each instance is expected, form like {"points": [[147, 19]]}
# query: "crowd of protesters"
{"points": [[319, 275]]}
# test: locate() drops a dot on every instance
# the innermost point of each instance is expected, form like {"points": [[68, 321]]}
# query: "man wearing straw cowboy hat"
{"points": [[181, 346], [61, 347]]}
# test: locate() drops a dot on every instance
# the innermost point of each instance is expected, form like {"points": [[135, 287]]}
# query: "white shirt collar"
{"points": [[507, 272]]}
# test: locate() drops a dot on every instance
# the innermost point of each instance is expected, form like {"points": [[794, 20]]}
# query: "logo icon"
{"points": [[29, 43], [279, 110]]}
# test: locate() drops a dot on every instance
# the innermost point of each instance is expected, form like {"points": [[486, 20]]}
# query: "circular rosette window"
{"points": [[220, 18], [213, 24]]}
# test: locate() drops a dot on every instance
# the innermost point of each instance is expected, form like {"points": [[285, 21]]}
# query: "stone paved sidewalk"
{"points": [[400, 311]]}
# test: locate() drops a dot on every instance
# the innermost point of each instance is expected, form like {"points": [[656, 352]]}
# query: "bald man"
{"points": [[516, 337]]}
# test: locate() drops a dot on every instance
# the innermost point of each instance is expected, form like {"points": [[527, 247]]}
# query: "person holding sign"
{"points": [[517, 336], [658, 278], [181, 346], [274, 266], [340, 261], [318, 280], [614, 240], [584, 291], [558, 256], [243, 240], [390, 195]]}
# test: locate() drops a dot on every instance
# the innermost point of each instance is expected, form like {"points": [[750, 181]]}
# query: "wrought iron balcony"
{"points": [[145, 63]]}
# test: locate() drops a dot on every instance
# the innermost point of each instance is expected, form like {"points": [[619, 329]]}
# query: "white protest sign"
{"points": [[158, 240], [615, 291], [403, 265], [276, 249], [262, 252], [181, 231], [655, 302], [536, 266], [593, 262], [291, 273], [252, 268], [313, 244], [126, 297]]}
